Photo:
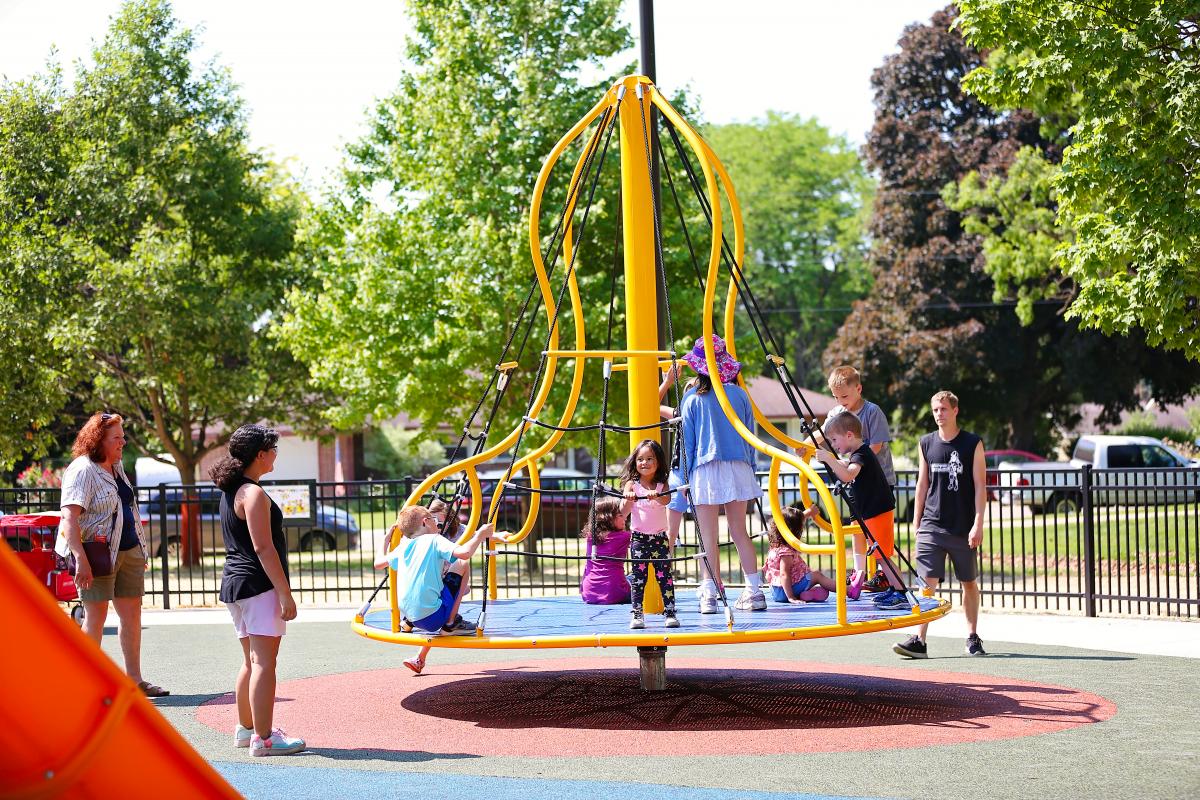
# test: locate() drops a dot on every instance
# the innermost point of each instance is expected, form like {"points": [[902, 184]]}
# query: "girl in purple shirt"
{"points": [[604, 582]]}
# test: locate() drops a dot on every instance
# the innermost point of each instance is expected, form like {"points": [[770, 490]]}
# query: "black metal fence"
{"points": [[1078, 540]]}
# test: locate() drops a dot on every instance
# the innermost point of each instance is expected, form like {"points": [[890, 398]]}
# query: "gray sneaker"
{"points": [[277, 744], [708, 604], [975, 645], [751, 600]]}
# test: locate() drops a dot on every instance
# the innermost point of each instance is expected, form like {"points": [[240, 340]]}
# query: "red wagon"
{"points": [[32, 536]]}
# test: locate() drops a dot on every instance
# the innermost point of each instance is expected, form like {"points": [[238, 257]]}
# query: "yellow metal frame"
{"points": [[624, 105], [675, 638]]}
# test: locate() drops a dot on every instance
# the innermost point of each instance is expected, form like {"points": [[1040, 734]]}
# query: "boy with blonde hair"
{"points": [[845, 384], [870, 493], [428, 600]]}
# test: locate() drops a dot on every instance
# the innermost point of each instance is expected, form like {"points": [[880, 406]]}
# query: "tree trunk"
{"points": [[190, 532], [1021, 432]]}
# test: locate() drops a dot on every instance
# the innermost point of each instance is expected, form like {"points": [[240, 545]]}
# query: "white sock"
{"points": [[860, 562], [708, 588], [754, 580]]}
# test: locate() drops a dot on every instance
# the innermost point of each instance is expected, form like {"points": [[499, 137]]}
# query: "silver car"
{"points": [[330, 529]]}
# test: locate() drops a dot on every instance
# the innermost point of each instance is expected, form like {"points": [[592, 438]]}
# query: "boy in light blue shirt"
{"points": [[428, 599]]}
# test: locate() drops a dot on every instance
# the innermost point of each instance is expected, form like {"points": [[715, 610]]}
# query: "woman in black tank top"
{"points": [[254, 584]]}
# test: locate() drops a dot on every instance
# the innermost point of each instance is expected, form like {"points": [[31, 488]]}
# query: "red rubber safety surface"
{"points": [[555, 707]]}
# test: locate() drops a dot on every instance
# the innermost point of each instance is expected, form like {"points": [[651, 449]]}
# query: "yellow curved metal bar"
{"points": [[720, 636], [807, 449], [707, 167], [607, 353], [470, 463], [547, 297]]}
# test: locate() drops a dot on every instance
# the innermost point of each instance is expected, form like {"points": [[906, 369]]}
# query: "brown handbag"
{"points": [[98, 556]]}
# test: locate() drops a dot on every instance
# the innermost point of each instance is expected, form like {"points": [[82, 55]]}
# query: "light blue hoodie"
{"points": [[708, 435]]}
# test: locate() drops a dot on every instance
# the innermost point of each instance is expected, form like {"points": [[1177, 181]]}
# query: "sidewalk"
{"points": [[1158, 637]]}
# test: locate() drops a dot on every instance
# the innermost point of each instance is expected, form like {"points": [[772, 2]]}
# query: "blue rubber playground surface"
{"points": [[304, 783]]}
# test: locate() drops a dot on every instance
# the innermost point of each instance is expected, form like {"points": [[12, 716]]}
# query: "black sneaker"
{"points": [[912, 647], [878, 583], [975, 645]]}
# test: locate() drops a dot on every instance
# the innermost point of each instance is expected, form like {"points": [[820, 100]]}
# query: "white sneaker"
{"points": [[277, 744], [242, 736], [751, 600], [708, 604]]}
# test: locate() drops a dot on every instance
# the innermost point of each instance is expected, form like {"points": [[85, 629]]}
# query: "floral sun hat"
{"points": [[727, 367]]}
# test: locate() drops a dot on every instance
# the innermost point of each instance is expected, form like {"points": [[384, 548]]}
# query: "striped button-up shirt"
{"points": [[94, 489]]}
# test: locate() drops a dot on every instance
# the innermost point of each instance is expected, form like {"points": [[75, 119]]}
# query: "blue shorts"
{"points": [[450, 586], [779, 596], [679, 499]]}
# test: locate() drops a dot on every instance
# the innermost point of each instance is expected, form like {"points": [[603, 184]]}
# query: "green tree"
{"points": [[935, 319], [151, 246], [421, 247], [804, 195], [1128, 189]]}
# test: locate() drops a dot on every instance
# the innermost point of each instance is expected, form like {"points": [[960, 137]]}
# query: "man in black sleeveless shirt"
{"points": [[950, 502]]}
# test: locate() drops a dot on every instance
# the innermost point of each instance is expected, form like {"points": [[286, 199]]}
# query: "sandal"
{"points": [[150, 690], [415, 664]]}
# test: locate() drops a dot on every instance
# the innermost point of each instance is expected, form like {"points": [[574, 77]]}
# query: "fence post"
{"points": [[162, 546], [1089, 544]]}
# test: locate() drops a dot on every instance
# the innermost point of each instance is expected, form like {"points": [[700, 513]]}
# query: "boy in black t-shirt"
{"points": [[871, 494]]}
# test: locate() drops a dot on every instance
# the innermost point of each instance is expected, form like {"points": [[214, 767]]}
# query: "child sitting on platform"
{"points": [[428, 599], [604, 582], [439, 509], [787, 572]]}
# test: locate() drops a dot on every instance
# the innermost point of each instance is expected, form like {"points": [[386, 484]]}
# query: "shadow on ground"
{"points": [[715, 700]]}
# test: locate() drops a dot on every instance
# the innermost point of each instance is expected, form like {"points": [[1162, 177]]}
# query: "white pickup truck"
{"points": [[1129, 470]]}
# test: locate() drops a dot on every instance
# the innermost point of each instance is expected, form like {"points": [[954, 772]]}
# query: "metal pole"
{"points": [[650, 70], [1089, 545], [162, 545]]}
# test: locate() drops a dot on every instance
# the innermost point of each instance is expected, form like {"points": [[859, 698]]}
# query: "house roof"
{"points": [[771, 399], [1168, 416]]}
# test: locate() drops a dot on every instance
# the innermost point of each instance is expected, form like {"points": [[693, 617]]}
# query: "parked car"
{"points": [[331, 529], [1130, 469], [560, 514], [789, 491], [994, 458]]}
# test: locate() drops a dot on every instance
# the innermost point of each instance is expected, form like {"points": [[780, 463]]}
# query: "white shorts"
{"points": [[257, 616], [719, 482]]}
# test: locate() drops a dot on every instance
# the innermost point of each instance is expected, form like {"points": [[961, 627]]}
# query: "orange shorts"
{"points": [[883, 528]]}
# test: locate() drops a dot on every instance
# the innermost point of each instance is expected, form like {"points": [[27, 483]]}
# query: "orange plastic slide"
{"points": [[71, 723]]}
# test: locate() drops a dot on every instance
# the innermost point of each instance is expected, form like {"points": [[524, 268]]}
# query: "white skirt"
{"points": [[720, 482]]}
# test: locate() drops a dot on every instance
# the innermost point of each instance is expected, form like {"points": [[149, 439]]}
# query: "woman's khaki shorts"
{"points": [[127, 580]]}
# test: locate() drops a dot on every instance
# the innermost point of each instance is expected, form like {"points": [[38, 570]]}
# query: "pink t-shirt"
{"points": [[648, 516], [797, 566]]}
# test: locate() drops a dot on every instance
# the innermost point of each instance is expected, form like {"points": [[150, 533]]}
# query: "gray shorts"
{"points": [[932, 549]]}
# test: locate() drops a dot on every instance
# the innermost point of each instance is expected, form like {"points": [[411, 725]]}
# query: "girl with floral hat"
{"points": [[719, 466]]}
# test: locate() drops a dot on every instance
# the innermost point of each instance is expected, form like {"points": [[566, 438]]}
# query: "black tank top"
{"points": [[244, 575], [950, 504]]}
